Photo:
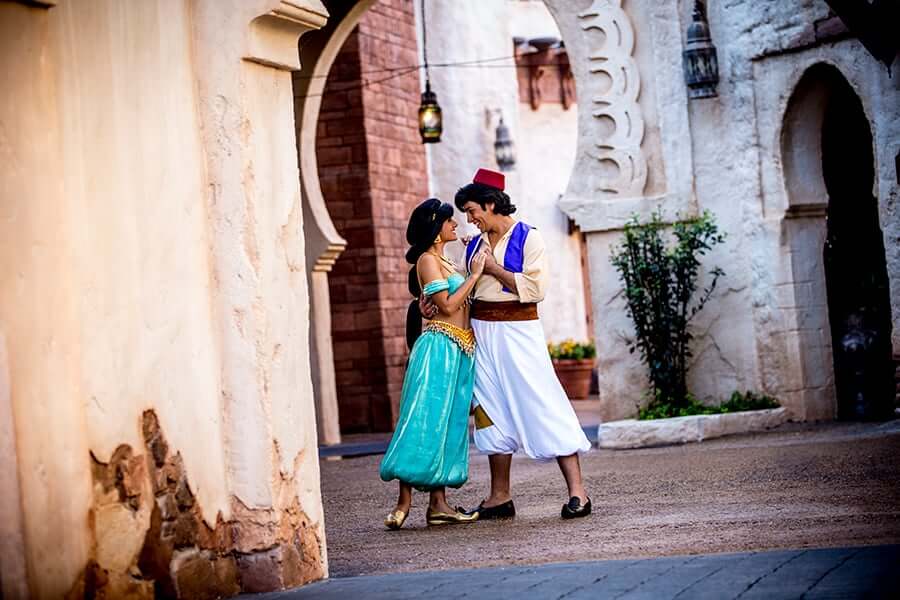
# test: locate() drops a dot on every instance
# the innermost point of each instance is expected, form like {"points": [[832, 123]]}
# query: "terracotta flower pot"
{"points": [[575, 376]]}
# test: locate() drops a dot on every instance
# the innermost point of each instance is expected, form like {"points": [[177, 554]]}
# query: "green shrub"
{"points": [[737, 403], [660, 280]]}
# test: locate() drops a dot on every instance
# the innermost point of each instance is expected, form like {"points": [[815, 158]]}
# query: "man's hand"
{"points": [[427, 307], [490, 264]]}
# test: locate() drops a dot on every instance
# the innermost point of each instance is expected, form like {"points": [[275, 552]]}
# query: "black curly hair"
{"points": [[483, 195]]}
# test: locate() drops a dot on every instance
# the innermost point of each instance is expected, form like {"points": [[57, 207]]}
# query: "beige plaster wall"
{"points": [[39, 307], [151, 254], [135, 173]]}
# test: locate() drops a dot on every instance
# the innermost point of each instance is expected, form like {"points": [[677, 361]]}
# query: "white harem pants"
{"points": [[517, 389]]}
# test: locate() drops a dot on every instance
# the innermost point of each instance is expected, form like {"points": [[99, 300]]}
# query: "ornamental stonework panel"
{"points": [[618, 125]]}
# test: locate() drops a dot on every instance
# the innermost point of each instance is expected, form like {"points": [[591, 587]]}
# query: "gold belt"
{"points": [[464, 338]]}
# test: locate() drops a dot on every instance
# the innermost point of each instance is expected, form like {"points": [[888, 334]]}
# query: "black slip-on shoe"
{"points": [[507, 510], [574, 509]]}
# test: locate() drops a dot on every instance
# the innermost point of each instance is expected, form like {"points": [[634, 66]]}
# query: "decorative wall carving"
{"points": [[611, 57]]}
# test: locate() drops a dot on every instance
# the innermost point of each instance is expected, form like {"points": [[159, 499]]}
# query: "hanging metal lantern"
{"points": [[503, 148], [430, 120], [701, 65]]}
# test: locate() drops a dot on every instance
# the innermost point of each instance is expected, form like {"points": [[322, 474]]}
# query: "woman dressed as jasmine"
{"points": [[430, 446]]}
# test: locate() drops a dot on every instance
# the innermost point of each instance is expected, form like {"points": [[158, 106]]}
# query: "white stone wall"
{"points": [[546, 151], [723, 154]]}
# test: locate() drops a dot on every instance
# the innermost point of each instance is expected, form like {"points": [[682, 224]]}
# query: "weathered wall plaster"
{"points": [[150, 220]]}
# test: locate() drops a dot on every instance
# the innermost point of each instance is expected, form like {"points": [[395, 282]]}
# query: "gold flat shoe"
{"points": [[455, 518], [395, 519]]}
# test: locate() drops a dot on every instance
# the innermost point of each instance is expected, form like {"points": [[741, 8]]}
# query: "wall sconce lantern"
{"points": [[503, 147], [430, 121], [701, 65], [504, 151]]}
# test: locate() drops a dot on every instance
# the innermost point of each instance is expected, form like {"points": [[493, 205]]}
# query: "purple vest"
{"points": [[514, 258]]}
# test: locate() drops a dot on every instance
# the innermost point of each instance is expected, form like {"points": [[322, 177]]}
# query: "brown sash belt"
{"points": [[504, 311]]}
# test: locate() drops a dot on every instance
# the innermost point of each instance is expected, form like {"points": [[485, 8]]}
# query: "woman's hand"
{"points": [[477, 266]]}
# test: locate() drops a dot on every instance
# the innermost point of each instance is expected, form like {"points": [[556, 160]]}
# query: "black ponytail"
{"points": [[413, 314]]}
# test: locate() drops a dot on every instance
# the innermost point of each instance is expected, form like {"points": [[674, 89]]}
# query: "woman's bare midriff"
{"points": [[460, 318]]}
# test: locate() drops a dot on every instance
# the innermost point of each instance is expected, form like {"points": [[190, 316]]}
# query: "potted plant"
{"points": [[574, 363]]}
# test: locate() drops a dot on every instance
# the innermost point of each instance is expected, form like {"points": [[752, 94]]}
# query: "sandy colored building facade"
{"points": [[158, 422]]}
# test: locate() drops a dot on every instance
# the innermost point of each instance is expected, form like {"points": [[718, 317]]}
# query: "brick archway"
{"points": [[363, 169]]}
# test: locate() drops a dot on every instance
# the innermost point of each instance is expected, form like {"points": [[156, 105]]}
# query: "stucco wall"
{"points": [[39, 309], [155, 307]]}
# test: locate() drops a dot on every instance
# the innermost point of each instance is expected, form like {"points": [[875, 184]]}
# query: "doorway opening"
{"points": [[855, 269]]}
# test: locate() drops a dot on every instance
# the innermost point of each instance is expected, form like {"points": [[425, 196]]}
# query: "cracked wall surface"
{"points": [[150, 538]]}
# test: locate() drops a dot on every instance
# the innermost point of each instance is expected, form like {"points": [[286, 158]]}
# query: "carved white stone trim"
{"points": [[273, 36], [611, 55], [593, 215]]}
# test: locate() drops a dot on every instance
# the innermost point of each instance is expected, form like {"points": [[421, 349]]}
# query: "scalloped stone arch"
{"points": [[324, 244]]}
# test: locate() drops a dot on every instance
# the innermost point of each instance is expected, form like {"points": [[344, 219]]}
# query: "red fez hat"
{"points": [[490, 178]]}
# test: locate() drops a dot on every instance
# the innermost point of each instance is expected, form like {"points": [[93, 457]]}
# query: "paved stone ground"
{"points": [[832, 485], [868, 572]]}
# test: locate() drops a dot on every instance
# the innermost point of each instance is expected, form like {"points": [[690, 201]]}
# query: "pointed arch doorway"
{"points": [[854, 259]]}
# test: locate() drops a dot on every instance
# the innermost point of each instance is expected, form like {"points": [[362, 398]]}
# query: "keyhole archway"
{"points": [[837, 248]]}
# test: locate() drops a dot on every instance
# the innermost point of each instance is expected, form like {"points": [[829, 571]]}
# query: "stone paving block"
{"points": [[630, 577], [871, 572], [680, 580], [798, 575], [739, 574], [560, 580]]}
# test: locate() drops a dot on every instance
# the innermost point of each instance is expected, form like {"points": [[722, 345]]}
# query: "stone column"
{"points": [[322, 360]]}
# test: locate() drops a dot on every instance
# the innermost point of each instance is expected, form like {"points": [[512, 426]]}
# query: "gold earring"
{"points": [[438, 239]]}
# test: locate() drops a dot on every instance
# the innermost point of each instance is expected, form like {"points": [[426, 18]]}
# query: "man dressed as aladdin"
{"points": [[519, 402]]}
